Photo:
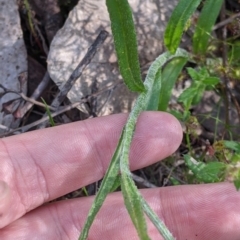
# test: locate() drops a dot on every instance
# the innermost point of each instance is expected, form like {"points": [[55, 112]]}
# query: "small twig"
{"points": [[44, 45], [36, 94], [225, 21], [62, 110], [77, 72], [106, 101], [171, 172], [5, 128], [24, 97], [142, 181], [224, 56]]}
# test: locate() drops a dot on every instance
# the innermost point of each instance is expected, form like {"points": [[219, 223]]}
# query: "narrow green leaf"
{"points": [[195, 76], [141, 104], [85, 191], [133, 205], [106, 186], [169, 76], [232, 145], [187, 95], [234, 53], [125, 42], [51, 121], [177, 114], [129, 190], [155, 92], [167, 235], [116, 184], [204, 26], [237, 184], [206, 172], [211, 80], [198, 94], [155, 74], [174, 181], [120, 159], [212, 172], [177, 22]]}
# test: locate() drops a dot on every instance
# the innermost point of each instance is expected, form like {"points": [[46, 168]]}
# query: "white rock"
{"points": [[78, 33]]}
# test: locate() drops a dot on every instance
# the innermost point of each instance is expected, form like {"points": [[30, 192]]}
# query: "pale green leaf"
{"points": [[155, 92], [106, 187], [134, 206], [121, 157]]}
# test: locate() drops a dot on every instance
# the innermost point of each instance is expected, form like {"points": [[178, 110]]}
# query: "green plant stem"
{"points": [[31, 25], [133, 200], [85, 191], [141, 104], [188, 142]]}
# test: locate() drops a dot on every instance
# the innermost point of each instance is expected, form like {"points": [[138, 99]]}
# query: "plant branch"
{"points": [[225, 21]]}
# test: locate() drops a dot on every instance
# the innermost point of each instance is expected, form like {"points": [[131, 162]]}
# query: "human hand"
{"points": [[40, 166]]}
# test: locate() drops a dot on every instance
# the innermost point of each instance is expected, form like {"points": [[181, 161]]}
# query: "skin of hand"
{"points": [[40, 166]]}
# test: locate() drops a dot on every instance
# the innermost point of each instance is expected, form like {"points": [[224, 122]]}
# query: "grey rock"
{"points": [[13, 58], [78, 33]]}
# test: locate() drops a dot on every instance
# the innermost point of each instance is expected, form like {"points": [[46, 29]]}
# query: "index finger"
{"points": [[42, 165]]}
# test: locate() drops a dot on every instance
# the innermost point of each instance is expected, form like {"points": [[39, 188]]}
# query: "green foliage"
{"points": [[224, 163], [133, 200], [133, 205], [234, 53], [227, 166], [52, 123], [204, 26], [169, 76], [206, 172], [180, 20], [165, 77], [120, 161], [234, 61], [154, 94], [201, 79], [108, 184], [125, 43], [177, 22], [232, 145], [30, 18]]}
